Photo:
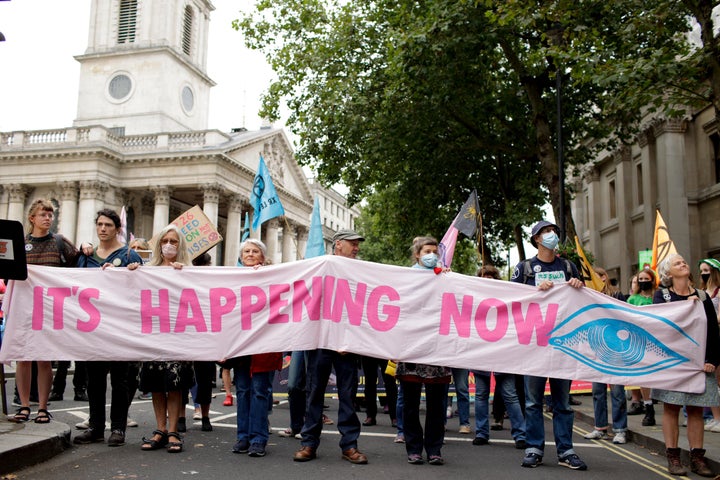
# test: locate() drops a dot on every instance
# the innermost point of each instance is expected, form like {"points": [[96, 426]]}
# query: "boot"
{"points": [[675, 466], [636, 408], [649, 420], [698, 463], [81, 395]]}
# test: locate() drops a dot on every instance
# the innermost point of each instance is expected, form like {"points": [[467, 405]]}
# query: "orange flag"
{"points": [[662, 245], [588, 274]]}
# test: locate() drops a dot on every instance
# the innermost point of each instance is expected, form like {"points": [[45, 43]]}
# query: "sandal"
{"points": [[152, 443], [22, 415], [174, 447], [43, 416]]}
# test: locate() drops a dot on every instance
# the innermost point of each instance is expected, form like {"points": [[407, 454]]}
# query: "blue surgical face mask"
{"points": [[550, 240], [429, 260]]}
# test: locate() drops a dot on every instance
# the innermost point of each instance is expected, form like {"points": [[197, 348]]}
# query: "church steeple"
{"points": [[144, 70]]}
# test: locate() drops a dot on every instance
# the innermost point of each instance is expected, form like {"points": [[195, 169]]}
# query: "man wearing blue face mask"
{"points": [[544, 271]]}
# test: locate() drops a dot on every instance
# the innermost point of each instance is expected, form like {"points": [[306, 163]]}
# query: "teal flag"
{"points": [[264, 199], [316, 244], [246, 229]]}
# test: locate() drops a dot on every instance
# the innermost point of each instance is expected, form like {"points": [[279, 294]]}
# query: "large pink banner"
{"points": [[207, 313]]}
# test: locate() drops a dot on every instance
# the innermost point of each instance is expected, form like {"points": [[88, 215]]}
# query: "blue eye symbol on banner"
{"points": [[614, 346]]}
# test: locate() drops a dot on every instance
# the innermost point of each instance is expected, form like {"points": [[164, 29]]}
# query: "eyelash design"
{"points": [[615, 346]]}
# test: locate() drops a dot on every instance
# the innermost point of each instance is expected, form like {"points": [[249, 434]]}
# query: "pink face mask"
{"points": [[169, 250]]}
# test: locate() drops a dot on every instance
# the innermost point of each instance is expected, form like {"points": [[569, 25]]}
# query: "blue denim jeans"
{"points": [[399, 409], [619, 407], [563, 415], [252, 404], [462, 393], [320, 364], [297, 394], [505, 387]]}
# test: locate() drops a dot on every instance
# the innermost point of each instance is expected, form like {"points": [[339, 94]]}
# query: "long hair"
{"points": [[40, 204], [182, 255], [653, 276], [608, 289], [714, 274]]}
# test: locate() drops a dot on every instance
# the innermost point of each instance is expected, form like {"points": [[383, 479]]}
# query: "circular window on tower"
{"points": [[187, 98], [120, 87]]}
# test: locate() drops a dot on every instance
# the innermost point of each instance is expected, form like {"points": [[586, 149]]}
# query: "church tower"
{"points": [[144, 70]]}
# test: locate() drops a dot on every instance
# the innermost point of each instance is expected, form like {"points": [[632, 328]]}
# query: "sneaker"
{"points": [[287, 433], [449, 413], [241, 446], [715, 428], [496, 426], [636, 408], [84, 425], [436, 460], [131, 423], [88, 436], [480, 441], [145, 396], [197, 415], [256, 450], [595, 435], [81, 396], [464, 429], [532, 460], [573, 462], [116, 438], [620, 438], [709, 424], [399, 438], [415, 459]]}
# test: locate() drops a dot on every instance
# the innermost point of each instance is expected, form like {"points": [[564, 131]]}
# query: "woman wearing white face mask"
{"points": [[167, 380], [413, 376]]}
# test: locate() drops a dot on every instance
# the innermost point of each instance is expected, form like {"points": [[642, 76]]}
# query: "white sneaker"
{"points": [[620, 438], [131, 423], [449, 412], [715, 428], [595, 435], [83, 425]]}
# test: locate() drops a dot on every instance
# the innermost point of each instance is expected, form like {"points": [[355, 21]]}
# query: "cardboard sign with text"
{"points": [[199, 232]]}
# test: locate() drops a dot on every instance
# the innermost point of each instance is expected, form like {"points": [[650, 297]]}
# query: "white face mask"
{"points": [[550, 240], [429, 260], [169, 250]]}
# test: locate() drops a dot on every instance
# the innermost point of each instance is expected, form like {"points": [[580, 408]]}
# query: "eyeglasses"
{"points": [[44, 214]]}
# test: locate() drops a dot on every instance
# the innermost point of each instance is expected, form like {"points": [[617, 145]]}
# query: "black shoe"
{"points": [[81, 396], [206, 425], [88, 436], [55, 397], [636, 409], [241, 446], [116, 439], [649, 420], [182, 426], [480, 441], [573, 401]]}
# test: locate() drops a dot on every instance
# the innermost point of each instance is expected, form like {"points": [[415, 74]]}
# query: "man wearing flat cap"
{"points": [[545, 270], [346, 243]]}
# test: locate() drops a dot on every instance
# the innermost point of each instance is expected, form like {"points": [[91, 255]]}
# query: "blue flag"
{"points": [[316, 244], [264, 199], [246, 229]]}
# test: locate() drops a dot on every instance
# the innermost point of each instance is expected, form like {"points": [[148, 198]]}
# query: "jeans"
{"points": [[563, 415], [320, 364], [399, 409], [297, 394], [432, 439], [505, 388], [252, 404], [462, 393], [97, 386], [619, 407]]}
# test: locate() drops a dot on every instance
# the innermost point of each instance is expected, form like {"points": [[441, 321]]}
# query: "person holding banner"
{"points": [[413, 376], [675, 277], [253, 377], [544, 271], [346, 243], [166, 380], [710, 282], [42, 247]]}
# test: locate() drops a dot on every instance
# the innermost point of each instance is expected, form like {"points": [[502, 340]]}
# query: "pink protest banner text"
{"points": [[209, 313]]}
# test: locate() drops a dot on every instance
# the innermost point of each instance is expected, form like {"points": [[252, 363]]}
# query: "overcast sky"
{"points": [[39, 80]]}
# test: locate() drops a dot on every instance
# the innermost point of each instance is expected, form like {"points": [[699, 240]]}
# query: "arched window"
{"points": [[127, 21], [187, 30]]}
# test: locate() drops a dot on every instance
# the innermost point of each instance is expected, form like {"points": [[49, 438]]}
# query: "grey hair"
{"points": [[664, 269], [257, 243]]}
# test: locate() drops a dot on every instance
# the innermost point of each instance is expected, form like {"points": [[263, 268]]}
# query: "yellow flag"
{"points": [[587, 273], [662, 245]]}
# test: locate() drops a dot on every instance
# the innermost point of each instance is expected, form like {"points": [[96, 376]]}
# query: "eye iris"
{"points": [[618, 345]]}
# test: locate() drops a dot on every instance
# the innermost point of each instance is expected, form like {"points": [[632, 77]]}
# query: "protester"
{"points": [[253, 377], [461, 377], [110, 253], [41, 248], [544, 271], [346, 243], [413, 376], [675, 278], [166, 380], [710, 282]]}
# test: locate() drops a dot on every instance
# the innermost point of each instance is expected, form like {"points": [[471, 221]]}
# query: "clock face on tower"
{"points": [[120, 87]]}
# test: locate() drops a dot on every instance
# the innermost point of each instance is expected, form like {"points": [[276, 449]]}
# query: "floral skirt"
{"points": [[166, 376], [711, 397]]}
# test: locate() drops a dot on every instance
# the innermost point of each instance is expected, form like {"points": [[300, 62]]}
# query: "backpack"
{"points": [[528, 272]]}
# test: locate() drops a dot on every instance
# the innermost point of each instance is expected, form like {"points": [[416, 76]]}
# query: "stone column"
{"points": [[625, 252], [234, 229], [92, 199], [289, 242], [211, 199], [161, 214], [17, 193], [302, 236], [271, 239], [3, 202], [68, 209]]}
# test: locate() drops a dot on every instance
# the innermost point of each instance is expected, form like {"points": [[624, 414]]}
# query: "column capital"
{"points": [[273, 223], [93, 189], [17, 192], [162, 194], [68, 191], [235, 204], [211, 192]]}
